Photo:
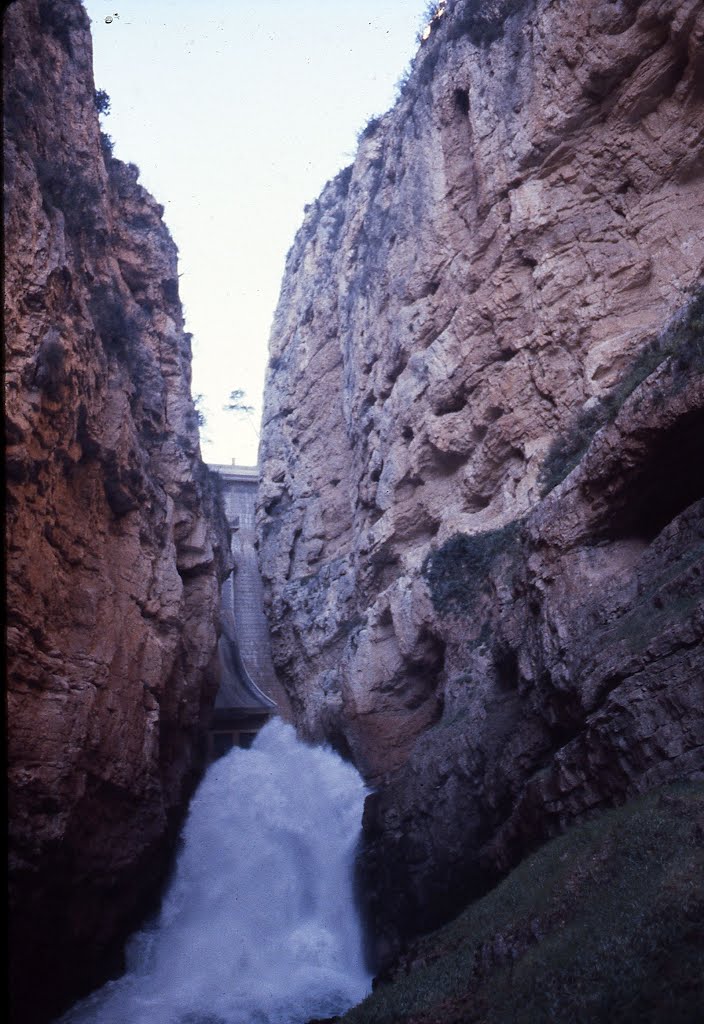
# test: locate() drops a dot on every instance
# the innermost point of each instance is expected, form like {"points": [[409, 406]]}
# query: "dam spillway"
{"points": [[259, 923], [248, 690]]}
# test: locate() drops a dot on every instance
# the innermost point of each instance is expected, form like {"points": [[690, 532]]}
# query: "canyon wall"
{"points": [[480, 520], [116, 543]]}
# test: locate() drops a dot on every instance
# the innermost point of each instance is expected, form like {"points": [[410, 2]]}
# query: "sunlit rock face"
{"points": [[114, 540], [467, 302]]}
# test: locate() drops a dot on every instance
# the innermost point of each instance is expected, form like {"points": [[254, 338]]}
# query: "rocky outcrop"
{"points": [[492, 298], [574, 665], [600, 924], [115, 539]]}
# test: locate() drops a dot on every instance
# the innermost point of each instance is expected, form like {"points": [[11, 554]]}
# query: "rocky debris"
{"points": [[465, 311], [115, 541]]}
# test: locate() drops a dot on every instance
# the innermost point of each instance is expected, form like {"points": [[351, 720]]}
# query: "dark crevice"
{"points": [[667, 483], [454, 403], [447, 463], [461, 98]]}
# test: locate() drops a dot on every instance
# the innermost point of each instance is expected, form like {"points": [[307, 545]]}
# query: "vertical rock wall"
{"points": [[500, 280], [115, 539]]}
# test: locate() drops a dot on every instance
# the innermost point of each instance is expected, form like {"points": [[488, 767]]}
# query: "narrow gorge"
{"points": [[480, 530]]}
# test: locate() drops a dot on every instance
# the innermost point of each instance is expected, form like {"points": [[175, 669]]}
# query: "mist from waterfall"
{"points": [[259, 924]]}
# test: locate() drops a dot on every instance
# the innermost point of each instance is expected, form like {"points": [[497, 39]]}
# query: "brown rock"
{"points": [[115, 544], [574, 669], [475, 289]]}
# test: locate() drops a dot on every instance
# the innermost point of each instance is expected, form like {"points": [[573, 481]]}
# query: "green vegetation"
{"points": [[483, 20], [102, 101], [601, 926], [456, 572], [199, 417], [431, 11], [120, 333], [59, 19], [106, 145], [66, 188], [682, 343], [236, 402], [48, 374], [369, 129]]}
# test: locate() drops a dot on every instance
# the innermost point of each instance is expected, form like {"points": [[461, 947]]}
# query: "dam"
{"points": [[260, 922], [248, 692]]}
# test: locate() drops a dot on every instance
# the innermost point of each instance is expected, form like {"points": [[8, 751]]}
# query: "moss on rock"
{"points": [[604, 924]]}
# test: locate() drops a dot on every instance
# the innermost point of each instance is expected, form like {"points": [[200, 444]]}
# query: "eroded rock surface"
{"points": [[115, 541], [459, 304]]}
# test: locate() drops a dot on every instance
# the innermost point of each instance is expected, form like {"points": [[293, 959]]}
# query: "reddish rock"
{"points": [[115, 542]]}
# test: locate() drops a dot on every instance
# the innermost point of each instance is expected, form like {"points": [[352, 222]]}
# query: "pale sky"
{"points": [[237, 114]]}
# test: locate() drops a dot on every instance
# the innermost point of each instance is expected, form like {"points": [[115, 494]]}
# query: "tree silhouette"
{"points": [[236, 402]]}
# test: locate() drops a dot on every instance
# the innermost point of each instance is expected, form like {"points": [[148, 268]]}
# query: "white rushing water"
{"points": [[259, 924]]}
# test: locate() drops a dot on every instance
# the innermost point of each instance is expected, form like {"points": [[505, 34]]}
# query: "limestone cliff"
{"points": [[496, 296], [115, 540]]}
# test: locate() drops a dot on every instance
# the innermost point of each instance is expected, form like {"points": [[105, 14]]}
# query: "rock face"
{"points": [[495, 293], [597, 925], [115, 540]]}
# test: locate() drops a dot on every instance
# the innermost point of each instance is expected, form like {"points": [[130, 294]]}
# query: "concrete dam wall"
{"points": [[249, 690]]}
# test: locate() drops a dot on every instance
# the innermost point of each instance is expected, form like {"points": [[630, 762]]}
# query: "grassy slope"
{"points": [[605, 923]]}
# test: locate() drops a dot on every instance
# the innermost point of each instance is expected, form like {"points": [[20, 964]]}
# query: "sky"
{"points": [[237, 114]]}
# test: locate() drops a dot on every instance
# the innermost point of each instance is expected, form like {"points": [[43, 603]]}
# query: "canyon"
{"points": [[480, 517], [482, 459], [116, 543]]}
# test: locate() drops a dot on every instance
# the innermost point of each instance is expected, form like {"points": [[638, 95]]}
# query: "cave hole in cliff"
{"points": [[665, 484], [447, 463], [461, 98], [424, 673], [506, 670], [383, 568], [452, 403], [477, 501]]}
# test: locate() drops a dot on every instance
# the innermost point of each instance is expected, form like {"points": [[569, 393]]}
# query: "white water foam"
{"points": [[259, 924]]}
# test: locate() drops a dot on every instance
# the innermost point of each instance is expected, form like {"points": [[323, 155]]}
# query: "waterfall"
{"points": [[258, 925]]}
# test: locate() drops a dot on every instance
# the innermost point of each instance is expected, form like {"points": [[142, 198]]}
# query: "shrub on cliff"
{"points": [[102, 101], [682, 343], [456, 571], [120, 332], [21, 96], [686, 336], [370, 129], [483, 20], [59, 18], [196, 416], [48, 371], [66, 188]]}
